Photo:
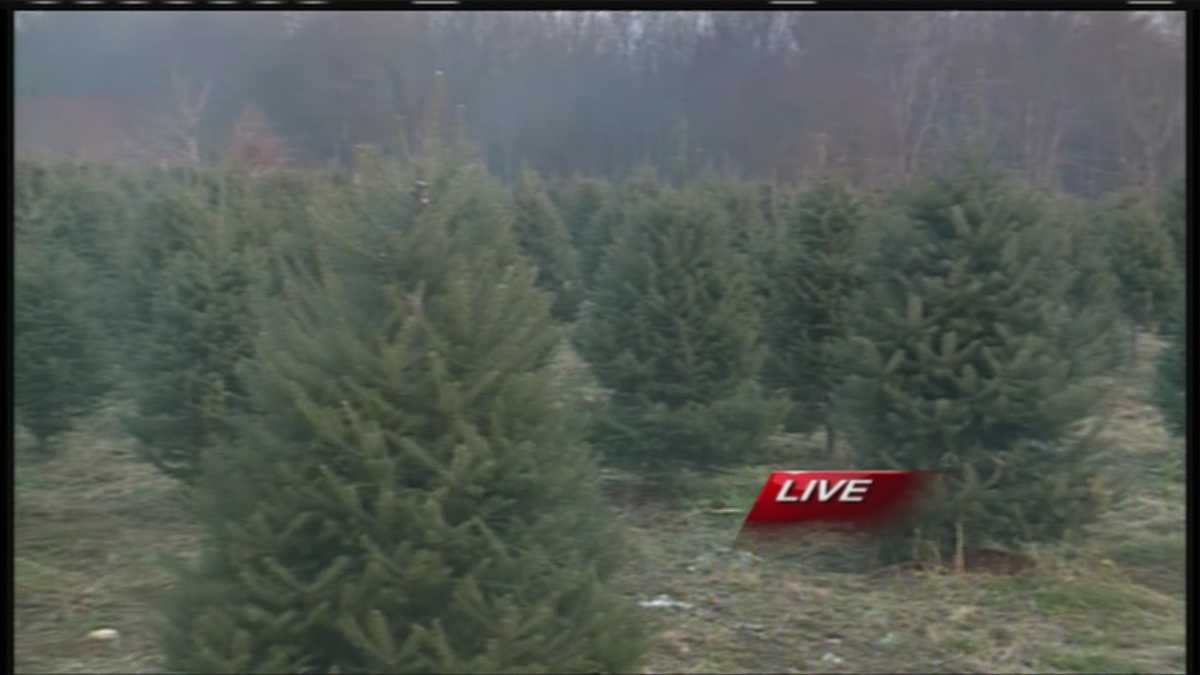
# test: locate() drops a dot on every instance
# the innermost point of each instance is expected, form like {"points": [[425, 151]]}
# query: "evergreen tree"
{"points": [[81, 210], [1174, 210], [60, 365], [771, 204], [64, 218], [407, 496], [814, 287], [163, 222], [753, 236], [970, 360], [675, 333], [1170, 383], [1094, 288], [81, 207], [544, 238], [597, 211], [196, 329], [1141, 251], [587, 207]]}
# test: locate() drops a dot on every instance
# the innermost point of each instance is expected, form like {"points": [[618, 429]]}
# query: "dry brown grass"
{"points": [[1075, 611], [1113, 603], [91, 523]]}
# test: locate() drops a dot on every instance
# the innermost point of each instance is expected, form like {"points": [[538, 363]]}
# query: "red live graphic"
{"points": [[838, 497]]}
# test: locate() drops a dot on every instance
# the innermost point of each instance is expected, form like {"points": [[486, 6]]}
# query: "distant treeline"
{"points": [[1083, 102]]}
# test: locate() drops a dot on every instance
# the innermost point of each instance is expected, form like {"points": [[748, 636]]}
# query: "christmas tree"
{"points": [[59, 356], [1174, 210], [408, 494], [753, 235], [814, 285], [1144, 256], [586, 208], [1170, 383], [970, 360], [543, 237], [675, 333], [195, 329], [65, 217]]}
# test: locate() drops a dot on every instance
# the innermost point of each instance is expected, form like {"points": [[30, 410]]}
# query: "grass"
{"points": [[779, 615], [91, 524]]}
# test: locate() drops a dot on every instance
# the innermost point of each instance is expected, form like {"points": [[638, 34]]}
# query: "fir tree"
{"points": [[59, 357], [163, 222], [814, 287], [752, 233], [1174, 210], [1093, 288], [82, 210], [408, 496], [81, 207], [969, 360], [65, 216], [196, 329], [1170, 383], [597, 212], [543, 237], [675, 333], [1141, 251], [587, 207]]}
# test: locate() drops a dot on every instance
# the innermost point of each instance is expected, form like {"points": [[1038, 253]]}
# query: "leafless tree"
{"points": [[171, 135], [915, 79]]}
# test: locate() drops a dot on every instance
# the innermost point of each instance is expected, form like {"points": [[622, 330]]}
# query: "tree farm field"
{"points": [[465, 341], [92, 526]]}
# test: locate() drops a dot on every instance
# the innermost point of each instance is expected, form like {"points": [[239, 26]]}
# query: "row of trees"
{"points": [[1086, 102], [351, 372], [354, 383]]}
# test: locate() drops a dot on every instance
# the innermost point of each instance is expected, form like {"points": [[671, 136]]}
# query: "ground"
{"points": [[92, 526]]}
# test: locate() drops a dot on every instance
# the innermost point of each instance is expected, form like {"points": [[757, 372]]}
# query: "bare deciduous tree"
{"points": [[171, 133]]}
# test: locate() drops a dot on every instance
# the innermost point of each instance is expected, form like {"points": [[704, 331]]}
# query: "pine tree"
{"points": [[61, 350], [1094, 288], [969, 360], [596, 212], [543, 236], [407, 496], [1174, 211], [196, 329], [82, 210], [675, 333], [60, 370], [1170, 383], [1141, 251], [587, 206], [81, 207], [814, 287], [753, 235], [165, 216]]}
